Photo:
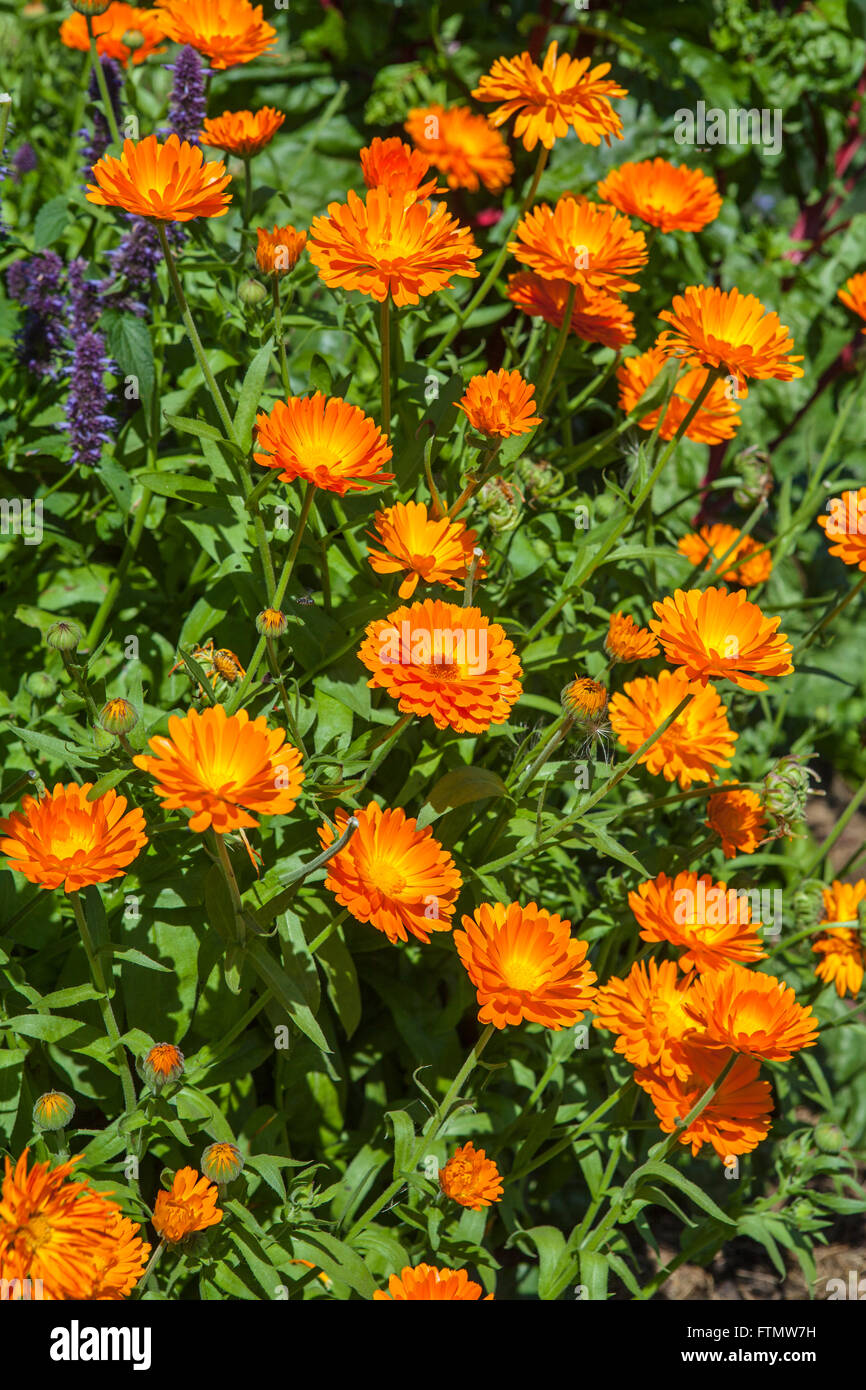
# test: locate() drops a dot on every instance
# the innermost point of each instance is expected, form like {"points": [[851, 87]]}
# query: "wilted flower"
{"points": [[787, 787]]}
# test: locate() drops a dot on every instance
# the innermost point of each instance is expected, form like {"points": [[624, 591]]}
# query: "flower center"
{"points": [[36, 1233], [522, 972], [386, 877], [71, 837], [442, 670]]}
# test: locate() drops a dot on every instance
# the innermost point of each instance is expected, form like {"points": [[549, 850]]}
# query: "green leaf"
{"points": [[42, 1026], [463, 785], [200, 428], [404, 1140], [185, 486], [344, 991], [50, 222], [665, 1173], [287, 991], [251, 392], [127, 339], [336, 1259]]}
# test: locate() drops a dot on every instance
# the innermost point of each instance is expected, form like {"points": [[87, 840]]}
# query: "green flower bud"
{"points": [[501, 502], [133, 38], [808, 904], [829, 1139], [787, 787], [754, 467], [271, 623], [54, 1110], [539, 477], [90, 7], [40, 685], [251, 292], [63, 636], [222, 1163], [118, 716], [162, 1065]]}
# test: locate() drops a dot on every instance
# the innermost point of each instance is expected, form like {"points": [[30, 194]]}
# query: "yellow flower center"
{"points": [[36, 1233], [386, 877], [72, 837], [522, 972]]}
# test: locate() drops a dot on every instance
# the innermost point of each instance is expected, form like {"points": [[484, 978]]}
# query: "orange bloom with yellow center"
{"points": [[671, 197], [64, 838], [392, 165], [713, 633], [843, 955], [431, 1283], [845, 525], [717, 418], [585, 698], [709, 923], [280, 250], [379, 246], [435, 550], [733, 1122], [499, 404], [470, 1178], [587, 244], [694, 746], [752, 1013], [325, 441], [525, 964], [565, 93], [110, 30], [169, 182], [451, 663], [392, 875], [710, 543], [227, 32], [853, 296], [724, 328], [462, 145], [189, 1206], [626, 641], [738, 819], [72, 1238], [243, 133], [223, 766], [646, 1010], [597, 316]]}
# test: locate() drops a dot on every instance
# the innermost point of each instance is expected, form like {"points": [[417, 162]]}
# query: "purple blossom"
{"points": [[188, 105], [23, 161], [97, 142], [84, 305], [35, 283], [87, 421], [134, 262]]}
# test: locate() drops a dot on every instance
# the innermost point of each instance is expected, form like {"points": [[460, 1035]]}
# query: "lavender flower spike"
{"points": [[188, 105], [87, 421]]}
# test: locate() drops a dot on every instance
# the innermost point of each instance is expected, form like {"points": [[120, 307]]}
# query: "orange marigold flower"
{"points": [[845, 525], [717, 418], [325, 441], [437, 550], [397, 167], [564, 93], [431, 1283], [713, 633], [647, 1011], [463, 146], [853, 296], [597, 317], [585, 698], [392, 875], [626, 641], [841, 900], [243, 133], [73, 1239], [64, 838], [451, 663], [110, 29], [752, 1013], [842, 952], [222, 766], [739, 820], [380, 246], [525, 964], [671, 197], [170, 182], [470, 1178], [710, 923], [280, 250], [733, 1122], [499, 404], [227, 32], [724, 328], [189, 1206], [160, 1066], [710, 543], [699, 741], [587, 244]]}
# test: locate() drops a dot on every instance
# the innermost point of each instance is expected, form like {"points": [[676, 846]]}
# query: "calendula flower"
{"points": [[597, 316], [585, 698], [73, 1239], [646, 1010], [451, 663], [222, 1162], [272, 622], [189, 1206], [841, 950], [462, 145], [470, 1178], [713, 633], [499, 404], [752, 1013], [395, 166], [170, 182], [717, 418], [392, 875], [222, 767], [708, 922], [279, 250], [227, 32], [162, 1065], [626, 641], [733, 1122], [53, 1110], [853, 296], [325, 441], [565, 93], [671, 197], [431, 1283], [243, 133], [525, 964], [724, 328], [845, 525], [696, 744], [710, 543], [64, 838], [437, 551], [380, 246], [113, 30], [738, 819], [587, 244]]}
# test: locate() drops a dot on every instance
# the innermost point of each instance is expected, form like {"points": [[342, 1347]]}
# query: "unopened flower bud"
{"points": [[786, 788], [754, 467], [162, 1065], [251, 292], [808, 904], [90, 7], [54, 1110], [501, 502], [63, 636], [539, 477], [222, 1163], [829, 1139], [586, 699], [133, 39], [40, 685], [118, 716], [271, 623]]}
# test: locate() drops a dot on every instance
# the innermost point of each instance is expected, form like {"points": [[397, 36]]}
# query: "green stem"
{"points": [[279, 336], [828, 618], [97, 627], [248, 193], [109, 1021], [108, 108], [385, 362], [549, 370], [568, 1139]]}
